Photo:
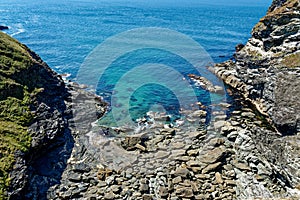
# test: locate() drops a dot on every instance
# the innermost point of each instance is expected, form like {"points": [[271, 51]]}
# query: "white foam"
{"points": [[20, 29]]}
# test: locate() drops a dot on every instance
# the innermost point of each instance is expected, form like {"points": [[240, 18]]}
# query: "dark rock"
{"points": [[3, 27], [144, 188], [275, 4], [81, 168], [147, 197], [130, 143], [239, 47]]}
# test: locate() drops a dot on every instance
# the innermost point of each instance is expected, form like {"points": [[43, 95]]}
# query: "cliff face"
{"points": [[266, 73], [36, 137], [266, 69], [32, 114]]}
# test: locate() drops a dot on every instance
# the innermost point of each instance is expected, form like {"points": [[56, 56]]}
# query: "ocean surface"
{"points": [[65, 33]]}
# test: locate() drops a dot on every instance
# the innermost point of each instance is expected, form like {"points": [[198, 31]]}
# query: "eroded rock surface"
{"points": [[266, 70]]}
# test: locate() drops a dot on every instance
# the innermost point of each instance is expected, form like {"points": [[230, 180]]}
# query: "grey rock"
{"points": [[177, 180], [110, 195], [182, 172], [74, 177], [163, 191]]}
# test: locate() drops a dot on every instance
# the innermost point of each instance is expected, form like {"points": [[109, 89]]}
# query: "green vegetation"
{"points": [[15, 99], [292, 60], [255, 55]]}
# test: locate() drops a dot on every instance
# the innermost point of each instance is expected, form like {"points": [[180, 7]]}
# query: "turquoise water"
{"points": [[64, 33]]}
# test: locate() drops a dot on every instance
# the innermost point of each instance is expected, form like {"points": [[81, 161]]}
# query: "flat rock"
{"points": [[241, 166], [177, 180], [162, 154], [183, 172], [211, 167], [196, 134], [185, 192], [219, 124], [214, 155], [177, 153], [178, 145]]}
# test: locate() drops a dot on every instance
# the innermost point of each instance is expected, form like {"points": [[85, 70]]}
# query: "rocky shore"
{"points": [[236, 157], [249, 151]]}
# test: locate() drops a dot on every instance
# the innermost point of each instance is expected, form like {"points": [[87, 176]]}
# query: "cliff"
{"points": [[266, 70], [35, 133], [28, 87]]}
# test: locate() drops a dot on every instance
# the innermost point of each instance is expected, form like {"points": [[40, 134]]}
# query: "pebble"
{"points": [[219, 179]]}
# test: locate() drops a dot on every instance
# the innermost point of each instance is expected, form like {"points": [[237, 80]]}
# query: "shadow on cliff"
{"points": [[52, 141]]}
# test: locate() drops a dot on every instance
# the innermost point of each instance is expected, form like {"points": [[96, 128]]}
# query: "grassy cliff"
{"points": [[17, 92]]}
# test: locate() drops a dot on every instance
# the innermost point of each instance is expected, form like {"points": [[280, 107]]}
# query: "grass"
{"points": [[292, 60], [15, 100]]}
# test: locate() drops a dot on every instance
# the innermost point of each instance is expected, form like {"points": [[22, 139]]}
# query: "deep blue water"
{"points": [[64, 33]]}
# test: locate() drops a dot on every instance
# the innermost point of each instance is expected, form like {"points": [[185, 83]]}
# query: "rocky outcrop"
{"points": [[40, 137], [266, 70], [28, 83]]}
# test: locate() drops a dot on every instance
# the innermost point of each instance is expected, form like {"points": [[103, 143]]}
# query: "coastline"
{"points": [[251, 153]]}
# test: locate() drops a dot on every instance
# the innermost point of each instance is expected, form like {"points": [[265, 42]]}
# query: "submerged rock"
{"points": [[3, 27]]}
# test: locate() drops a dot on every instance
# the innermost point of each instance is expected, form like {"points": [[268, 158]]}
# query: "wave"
{"points": [[19, 30]]}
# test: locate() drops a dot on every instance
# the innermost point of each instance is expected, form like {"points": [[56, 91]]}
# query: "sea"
{"points": [[138, 46]]}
